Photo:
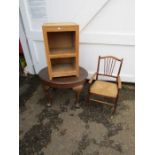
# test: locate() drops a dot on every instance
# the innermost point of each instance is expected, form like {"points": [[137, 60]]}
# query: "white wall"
{"points": [[106, 28], [89, 55]]}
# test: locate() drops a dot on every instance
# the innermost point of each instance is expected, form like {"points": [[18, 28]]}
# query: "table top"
{"points": [[63, 82]]}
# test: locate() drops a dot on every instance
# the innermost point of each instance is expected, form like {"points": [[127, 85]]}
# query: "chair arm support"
{"points": [[119, 83], [92, 78]]}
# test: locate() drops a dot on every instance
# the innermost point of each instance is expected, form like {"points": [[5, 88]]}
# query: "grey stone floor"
{"points": [[63, 129]]}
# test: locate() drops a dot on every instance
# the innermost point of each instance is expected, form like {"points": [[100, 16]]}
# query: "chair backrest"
{"points": [[111, 66]]}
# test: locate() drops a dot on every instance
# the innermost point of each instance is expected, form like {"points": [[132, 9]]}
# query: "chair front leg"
{"points": [[115, 105], [88, 95]]}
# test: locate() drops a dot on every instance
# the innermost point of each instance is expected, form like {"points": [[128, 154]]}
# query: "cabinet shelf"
{"points": [[62, 53], [65, 69]]}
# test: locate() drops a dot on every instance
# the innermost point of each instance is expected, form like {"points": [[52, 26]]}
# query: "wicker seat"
{"points": [[110, 90], [104, 88]]}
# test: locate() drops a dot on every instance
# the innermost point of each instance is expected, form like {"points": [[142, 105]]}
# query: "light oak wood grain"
{"points": [[61, 42]]}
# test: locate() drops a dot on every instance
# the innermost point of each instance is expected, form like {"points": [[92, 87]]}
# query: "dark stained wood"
{"points": [[78, 90], [63, 82], [46, 91], [76, 83], [109, 65]]}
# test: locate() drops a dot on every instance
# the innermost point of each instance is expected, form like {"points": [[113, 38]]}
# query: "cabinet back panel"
{"points": [[61, 39], [63, 61]]}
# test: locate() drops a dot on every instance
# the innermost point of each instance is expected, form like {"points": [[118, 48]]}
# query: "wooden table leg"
{"points": [[46, 91], [78, 90]]}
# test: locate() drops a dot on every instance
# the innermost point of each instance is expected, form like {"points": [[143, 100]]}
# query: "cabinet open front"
{"points": [[61, 44], [62, 49], [65, 67]]}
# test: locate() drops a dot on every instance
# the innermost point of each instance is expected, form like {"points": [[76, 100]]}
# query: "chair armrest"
{"points": [[119, 83], [92, 78]]}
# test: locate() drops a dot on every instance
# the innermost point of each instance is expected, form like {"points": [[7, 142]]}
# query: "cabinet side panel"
{"points": [[77, 49], [47, 52]]}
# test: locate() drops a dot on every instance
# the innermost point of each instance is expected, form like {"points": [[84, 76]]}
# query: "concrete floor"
{"points": [[64, 129]]}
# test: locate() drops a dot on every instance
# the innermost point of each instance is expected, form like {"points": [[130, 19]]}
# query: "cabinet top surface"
{"points": [[60, 24]]}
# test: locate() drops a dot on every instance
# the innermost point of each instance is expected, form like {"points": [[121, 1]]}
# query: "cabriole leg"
{"points": [[78, 90], [47, 94]]}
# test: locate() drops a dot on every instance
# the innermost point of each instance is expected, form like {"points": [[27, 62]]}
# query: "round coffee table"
{"points": [[76, 83]]}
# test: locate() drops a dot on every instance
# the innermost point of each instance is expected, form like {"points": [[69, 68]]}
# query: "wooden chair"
{"points": [[109, 88]]}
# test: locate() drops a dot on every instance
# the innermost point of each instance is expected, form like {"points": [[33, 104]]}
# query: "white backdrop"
{"points": [[106, 28]]}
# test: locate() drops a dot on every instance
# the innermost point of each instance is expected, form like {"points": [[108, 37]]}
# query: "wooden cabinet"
{"points": [[61, 42]]}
